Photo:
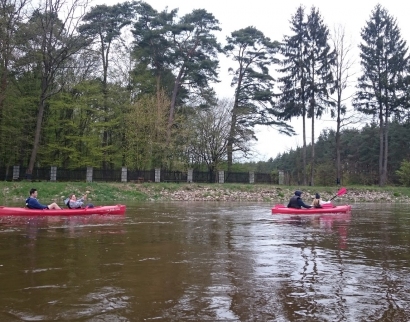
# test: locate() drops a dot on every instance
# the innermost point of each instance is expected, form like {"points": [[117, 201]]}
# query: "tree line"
{"points": [[128, 85], [359, 155]]}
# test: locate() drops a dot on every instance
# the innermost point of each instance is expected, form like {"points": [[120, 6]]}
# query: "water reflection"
{"points": [[315, 284], [333, 224], [207, 262]]}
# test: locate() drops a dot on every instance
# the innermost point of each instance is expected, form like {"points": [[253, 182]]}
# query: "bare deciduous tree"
{"points": [[342, 73]]}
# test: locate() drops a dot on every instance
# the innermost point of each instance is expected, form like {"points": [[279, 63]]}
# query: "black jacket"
{"points": [[297, 202]]}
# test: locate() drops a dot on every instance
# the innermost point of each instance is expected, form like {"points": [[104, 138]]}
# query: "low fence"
{"points": [[89, 174]]}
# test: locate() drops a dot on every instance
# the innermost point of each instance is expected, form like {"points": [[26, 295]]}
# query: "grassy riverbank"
{"points": [[121, 192]]}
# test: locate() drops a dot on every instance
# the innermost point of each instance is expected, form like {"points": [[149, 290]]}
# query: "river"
{"points": [[207, 261]]}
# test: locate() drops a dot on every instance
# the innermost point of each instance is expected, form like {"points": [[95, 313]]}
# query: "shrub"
{"points": [[404, 173]]}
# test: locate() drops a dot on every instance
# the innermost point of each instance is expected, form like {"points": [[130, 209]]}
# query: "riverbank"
{"points": [[11, 192]]}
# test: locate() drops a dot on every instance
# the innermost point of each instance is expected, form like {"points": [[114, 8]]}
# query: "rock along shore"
{"points": [[264, 194]]}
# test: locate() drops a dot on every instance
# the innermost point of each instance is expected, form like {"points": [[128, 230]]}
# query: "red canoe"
{"points": [[99, 210], [327, 209]]}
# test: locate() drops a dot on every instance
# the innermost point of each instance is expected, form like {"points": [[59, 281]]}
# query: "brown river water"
{"points": [[199, 261]]}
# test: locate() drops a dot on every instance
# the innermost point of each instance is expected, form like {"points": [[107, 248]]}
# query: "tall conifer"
{"points": [[382, 87]]}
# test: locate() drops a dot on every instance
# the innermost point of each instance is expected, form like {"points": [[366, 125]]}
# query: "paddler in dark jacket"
{"points": [[297, 202]]}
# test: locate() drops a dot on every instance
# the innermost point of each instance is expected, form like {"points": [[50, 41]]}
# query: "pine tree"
{"points": [[308, 78], [384, 82], [293, 98], [319, 60], [194, 57], [253, 53]]}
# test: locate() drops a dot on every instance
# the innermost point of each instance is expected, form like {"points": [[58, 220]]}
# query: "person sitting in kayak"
{"points": [[297, 202], [73, 203], [318, 203], [33, 203]]}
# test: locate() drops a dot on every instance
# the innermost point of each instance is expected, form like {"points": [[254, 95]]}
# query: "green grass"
{"points": [[58, 191], [118, 192]]}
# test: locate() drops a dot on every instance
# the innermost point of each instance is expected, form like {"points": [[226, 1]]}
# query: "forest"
{"points": [[359, 156], [127, 85]]}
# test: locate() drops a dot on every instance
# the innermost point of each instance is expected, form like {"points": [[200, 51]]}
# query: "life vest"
{"points": [[293, 202]]}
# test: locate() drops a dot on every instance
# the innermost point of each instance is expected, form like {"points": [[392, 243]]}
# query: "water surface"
{"points": [[198, 261]]}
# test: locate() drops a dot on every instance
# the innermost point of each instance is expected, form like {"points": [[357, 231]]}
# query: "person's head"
{"points": [[317, 196], [33, 192], [73, 197], [298, 193]]}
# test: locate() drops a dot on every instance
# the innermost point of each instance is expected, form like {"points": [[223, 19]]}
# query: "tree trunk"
{"points": [[3, 88], [385, 150], [304, 148], [4, 84], [234, 119], [338, 166], [211, 174], [157, 119], [37, 133], [312, 161], [104, 55], [381, 145], [173, 102], [229, 146]]}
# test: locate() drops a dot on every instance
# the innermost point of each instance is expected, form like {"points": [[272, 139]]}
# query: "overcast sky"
{"points": [[272, 18]]}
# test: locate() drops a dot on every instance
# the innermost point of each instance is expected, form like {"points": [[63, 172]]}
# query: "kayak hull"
{"points": [[99, 210], [282, 209]]}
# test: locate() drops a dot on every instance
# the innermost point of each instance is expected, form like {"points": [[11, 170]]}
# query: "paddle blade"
{"points": [[342, 191]]}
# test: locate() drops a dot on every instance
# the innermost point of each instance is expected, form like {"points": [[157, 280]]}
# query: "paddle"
{"points": [[341, 191]]}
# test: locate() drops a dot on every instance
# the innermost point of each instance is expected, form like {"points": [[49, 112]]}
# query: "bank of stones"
{"points": [[277, 195]]}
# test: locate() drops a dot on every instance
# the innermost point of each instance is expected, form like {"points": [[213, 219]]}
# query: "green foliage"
{"points": [[307, 77], [58, 191], [153, 50], [325, 174], [359, 156], [14, 193], [293, 80], [92, 112], [105, 22], [383, 85], [254, 54], [404, 173], [18, 121], [145, 132], [275, 176]]}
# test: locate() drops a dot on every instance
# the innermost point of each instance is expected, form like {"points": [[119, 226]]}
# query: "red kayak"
{"points": [[327, 208], [99, 210]]}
